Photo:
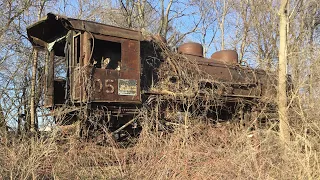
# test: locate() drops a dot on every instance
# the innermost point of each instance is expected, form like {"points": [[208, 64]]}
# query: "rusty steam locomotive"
{"points": [[116, 71]]}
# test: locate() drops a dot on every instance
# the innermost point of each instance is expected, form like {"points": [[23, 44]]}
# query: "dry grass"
{"points": [[223, 151]]}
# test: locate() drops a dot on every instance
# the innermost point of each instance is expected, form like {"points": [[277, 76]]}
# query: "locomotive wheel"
{"points": [[107, 130]]}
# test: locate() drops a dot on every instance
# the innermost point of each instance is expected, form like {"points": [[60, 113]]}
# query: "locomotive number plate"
{"points": [[127, 87]]}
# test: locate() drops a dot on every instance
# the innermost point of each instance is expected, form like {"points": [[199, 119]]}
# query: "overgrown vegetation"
{"points": [[206, 151]]}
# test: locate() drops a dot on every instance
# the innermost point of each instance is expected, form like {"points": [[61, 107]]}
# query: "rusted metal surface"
{"points": [[106, 87], [226, 56], [226, 72], [191, 48], [240, 80], [86, 45], [49, 76], [53, 26], [107, 82]]}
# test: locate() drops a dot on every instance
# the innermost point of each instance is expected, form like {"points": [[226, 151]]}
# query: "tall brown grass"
{"points": [[206, 151]]}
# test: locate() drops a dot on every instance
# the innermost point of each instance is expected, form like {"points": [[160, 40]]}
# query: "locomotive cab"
{"points": [[103, 62]]}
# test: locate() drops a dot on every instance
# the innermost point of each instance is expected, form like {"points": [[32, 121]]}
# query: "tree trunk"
{"points": [[26, 112], [224, 13], [33, 90], [282, 82], [3, 124], [164, 25], [35, 53]]}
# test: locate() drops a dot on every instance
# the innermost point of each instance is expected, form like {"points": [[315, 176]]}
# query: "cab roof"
{"points": [[53, 27]]}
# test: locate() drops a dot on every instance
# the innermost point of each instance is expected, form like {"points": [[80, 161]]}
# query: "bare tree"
{"points": [[33, 112], [222, 8], [10, 14], [12, 10], [243, 25], [207, 29], [282, 86]]}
